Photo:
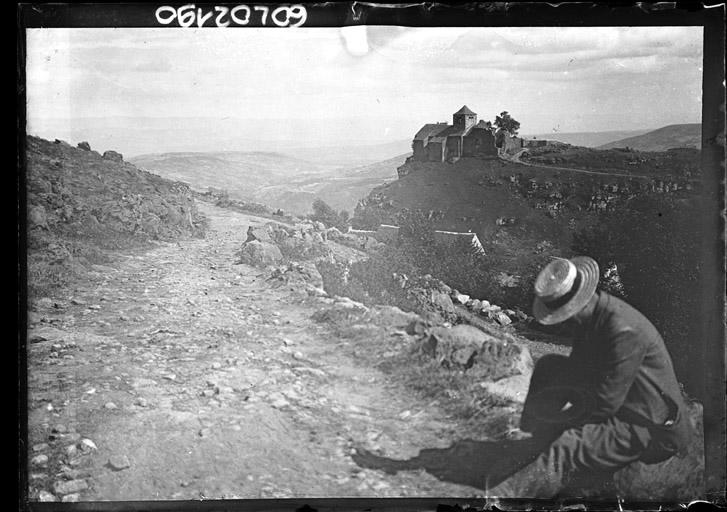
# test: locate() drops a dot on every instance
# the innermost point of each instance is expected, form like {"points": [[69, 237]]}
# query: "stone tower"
{"points": [[464, 118]]}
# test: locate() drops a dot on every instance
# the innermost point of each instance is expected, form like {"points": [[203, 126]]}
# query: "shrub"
{"points": [[323, 212]]}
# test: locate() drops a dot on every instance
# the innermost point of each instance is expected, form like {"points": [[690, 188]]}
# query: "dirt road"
{"points": [[178, 374], [517, 158]]}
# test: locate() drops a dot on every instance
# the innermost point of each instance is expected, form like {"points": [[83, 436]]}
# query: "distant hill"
{"points": [[341, 189], [281, 180], [672, 136], [587, 139], [322, 141], [241, 173], [351, 156]]}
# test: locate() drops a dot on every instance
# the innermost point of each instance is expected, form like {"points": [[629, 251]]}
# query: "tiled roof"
{"points": [[429, 130], [464, 110], [454, 131]]}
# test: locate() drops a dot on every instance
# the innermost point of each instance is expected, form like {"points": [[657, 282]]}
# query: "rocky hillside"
{"points": [[668, 137], [82, 203], [635, 225]]}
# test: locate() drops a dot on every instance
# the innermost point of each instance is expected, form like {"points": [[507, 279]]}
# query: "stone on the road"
{"points": [[40, 447], [71, 474], [71, 498], [119, 462], [110, 406], [260, 254], [70, 487], [39, 460], [46, 497], [87, 444], [278, 401], [71, 437]]}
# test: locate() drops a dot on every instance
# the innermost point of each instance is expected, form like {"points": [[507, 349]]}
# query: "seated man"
{"points": [[613, 401]]}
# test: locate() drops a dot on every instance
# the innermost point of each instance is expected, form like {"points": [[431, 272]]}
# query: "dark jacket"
{"points": [[630, 373]]}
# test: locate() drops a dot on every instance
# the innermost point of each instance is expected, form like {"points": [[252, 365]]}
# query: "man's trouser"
{"points": [[577, 459]]}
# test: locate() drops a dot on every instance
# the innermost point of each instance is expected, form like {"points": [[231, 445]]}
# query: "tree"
{"points": [[507, 123]]}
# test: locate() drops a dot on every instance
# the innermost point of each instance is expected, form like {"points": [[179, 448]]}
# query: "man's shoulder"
{"points": [[620, 317]]}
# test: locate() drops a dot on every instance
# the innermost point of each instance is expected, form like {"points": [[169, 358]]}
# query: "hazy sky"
{"points": [[363, 83]]}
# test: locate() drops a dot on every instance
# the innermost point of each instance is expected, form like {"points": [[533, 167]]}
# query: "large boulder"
{"points": [[485, 356], [441, 301], [260, 254], [259, 233], [113, 156], [84, 146], [454, 346], [680, 479]]}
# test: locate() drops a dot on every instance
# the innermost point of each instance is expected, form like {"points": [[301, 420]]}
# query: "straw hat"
{"points": [[563, 287]]}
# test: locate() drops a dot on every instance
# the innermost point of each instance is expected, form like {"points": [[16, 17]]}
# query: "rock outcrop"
{"points": [[260, 254], [303, 241], [485, 356], [113, 156]]}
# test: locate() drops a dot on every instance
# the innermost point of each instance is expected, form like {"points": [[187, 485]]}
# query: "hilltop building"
{"points": [[465, 137]]}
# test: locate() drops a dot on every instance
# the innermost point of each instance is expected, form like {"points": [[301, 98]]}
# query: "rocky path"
{"points": [[178, 374]]}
